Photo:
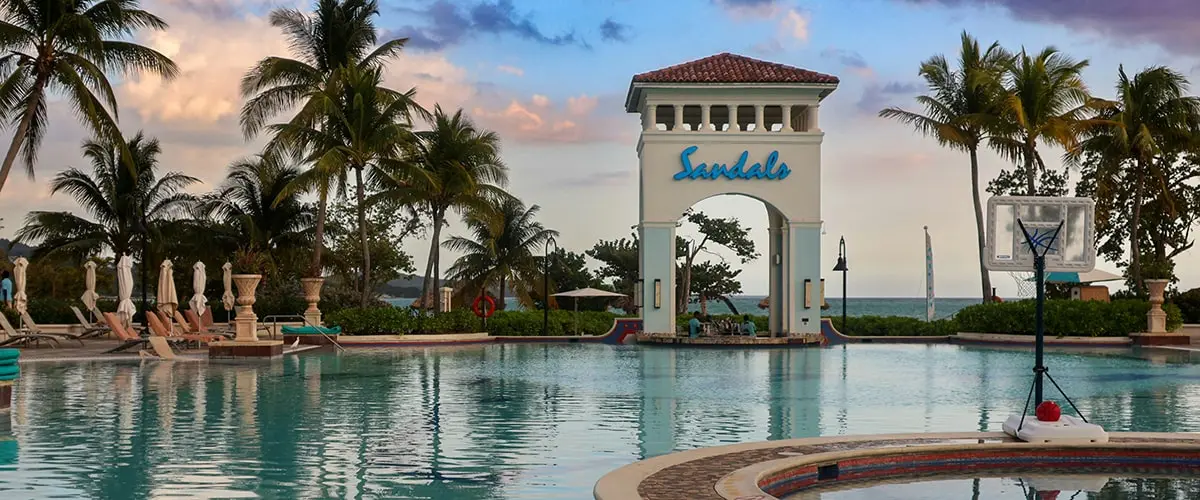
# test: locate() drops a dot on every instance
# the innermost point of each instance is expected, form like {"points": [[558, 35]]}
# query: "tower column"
{"points": [[705, 117], [778, 259], [657, 249], [805, 251]]}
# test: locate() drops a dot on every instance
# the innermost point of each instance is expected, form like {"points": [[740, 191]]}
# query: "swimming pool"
{"points": [[516, 421]]}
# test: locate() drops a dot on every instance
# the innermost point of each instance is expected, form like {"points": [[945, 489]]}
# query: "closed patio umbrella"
{"points": [[199, 279], [167, 299], [586, 293], [20, 299], [89, 296], [227, 279], [125, 307]]}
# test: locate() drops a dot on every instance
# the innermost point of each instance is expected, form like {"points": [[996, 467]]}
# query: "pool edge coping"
{"points": [[623, 483]]}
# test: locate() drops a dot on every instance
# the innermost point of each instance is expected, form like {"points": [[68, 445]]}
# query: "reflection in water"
{"points": [[512, 421]]}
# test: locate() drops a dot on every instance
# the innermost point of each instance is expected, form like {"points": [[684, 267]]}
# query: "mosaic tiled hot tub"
{"points": [[839, 471]]}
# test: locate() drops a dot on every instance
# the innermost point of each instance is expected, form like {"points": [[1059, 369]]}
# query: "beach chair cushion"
{"points": [[311, 330], [9, 354], [9, 372]]}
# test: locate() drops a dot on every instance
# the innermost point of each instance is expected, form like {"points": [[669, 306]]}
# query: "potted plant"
{"points": [[1157, 273], [248, 265]]}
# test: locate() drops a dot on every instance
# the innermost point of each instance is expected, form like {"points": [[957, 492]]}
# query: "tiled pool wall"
{"points": [[981, 460]]}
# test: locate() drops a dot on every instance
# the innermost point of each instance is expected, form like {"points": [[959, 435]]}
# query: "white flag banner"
{"points": [[929, 308]]}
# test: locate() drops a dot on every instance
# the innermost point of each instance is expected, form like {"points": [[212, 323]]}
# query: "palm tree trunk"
{"points": [[360, 194], [1030, 174], [35, 97], [431, 266], [319, 244], [500, 305], [980, 232], [1135, 257]]}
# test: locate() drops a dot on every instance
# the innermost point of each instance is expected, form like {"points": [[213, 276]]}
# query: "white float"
{"points": [[1066, 430]]}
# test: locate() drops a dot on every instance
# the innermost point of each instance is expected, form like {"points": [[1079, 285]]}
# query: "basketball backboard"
{"points": [[1074, 248]]}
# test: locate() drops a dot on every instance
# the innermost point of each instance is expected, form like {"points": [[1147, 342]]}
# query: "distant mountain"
{"points": [[16, 250]]}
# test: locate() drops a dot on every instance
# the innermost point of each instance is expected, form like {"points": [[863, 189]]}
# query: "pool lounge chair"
{"points": [[158, 327], [194, 328], [127, 337], [33, 328], [204, 324], [10, 335], [90, 329]]}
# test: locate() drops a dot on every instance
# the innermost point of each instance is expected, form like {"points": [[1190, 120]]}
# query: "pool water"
{"points": [[1016, 488], [514, 421]]}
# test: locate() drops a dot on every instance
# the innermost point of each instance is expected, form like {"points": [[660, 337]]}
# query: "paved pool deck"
{"points": [[736, 472], [92, 350]]}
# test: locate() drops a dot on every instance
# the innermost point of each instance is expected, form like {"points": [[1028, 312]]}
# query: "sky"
{"points": [[551, 77]]}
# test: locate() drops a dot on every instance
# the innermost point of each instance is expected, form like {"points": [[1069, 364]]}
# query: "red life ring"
{"points": [[484, 306]]}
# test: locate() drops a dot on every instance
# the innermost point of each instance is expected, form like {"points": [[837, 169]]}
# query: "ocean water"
{"points": [[748, 304]]}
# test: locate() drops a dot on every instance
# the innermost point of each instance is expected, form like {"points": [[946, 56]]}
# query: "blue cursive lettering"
{"points": [[773, 169]]}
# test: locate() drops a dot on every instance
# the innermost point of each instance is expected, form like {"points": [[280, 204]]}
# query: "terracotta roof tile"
{"points": [[733, 68]]}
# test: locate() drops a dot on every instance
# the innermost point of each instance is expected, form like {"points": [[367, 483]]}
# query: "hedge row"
{"points": [[1073, 318], [893, 326], [395, 320]]}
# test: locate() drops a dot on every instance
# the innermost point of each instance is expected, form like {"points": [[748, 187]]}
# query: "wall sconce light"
{"points": [[638, 293], [658, 294], [808, 294], [822, 293], [778, 259]]}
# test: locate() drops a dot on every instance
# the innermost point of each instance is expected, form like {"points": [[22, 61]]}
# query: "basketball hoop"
{"points": [[1026, 286]]}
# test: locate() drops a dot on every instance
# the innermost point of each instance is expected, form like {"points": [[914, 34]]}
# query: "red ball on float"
{"points": [[1048, 411]]}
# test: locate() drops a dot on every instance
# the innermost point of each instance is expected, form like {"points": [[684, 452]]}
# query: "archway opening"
{"points": [[723, 263]]}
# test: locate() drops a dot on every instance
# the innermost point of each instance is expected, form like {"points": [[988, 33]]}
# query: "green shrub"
{"points": [[1189, 305], [1083, 318], [395, 320], [893, 326]]}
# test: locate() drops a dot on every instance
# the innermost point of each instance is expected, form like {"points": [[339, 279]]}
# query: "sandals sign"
{"points": [[772, 169]]}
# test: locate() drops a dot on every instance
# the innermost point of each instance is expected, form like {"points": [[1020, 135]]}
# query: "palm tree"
{"points": [[1047, 102], [253, 201], [339, 33], [500, 251], [461, 171], [352, 123], [960, 111], [117, 199], [1151, 116], [61, 45]]}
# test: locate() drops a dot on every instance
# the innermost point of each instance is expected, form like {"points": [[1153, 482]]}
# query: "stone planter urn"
{"points": [[312, 295], [246, 321], [1156, 319]]}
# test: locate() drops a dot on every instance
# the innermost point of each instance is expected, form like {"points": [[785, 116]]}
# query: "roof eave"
{"points": [[633, 97]]}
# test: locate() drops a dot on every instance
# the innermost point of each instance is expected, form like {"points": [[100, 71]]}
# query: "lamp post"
{"points": [[140, 228], [841, 266], [546, 287]]}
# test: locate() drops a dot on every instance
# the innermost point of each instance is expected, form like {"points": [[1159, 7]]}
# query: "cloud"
{"points": [[791, 30], [877, 96], [612, 31], [1172, 24], [851, 60], [594, 179], [512, 70], [448, 25], [751, 8], [538, 120], [796, 25]]}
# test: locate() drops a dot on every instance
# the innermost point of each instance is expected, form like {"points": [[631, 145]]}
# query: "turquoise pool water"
{"points": [[514, 421]]}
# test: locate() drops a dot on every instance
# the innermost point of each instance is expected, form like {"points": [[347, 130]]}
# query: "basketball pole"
{"points": [[1039, 275]]}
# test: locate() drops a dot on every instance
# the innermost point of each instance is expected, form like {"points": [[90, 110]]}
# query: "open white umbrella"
{"points": [[20, 299], [227, 279], [586, 293], [89, 296], [199, 277], [125, 307]]}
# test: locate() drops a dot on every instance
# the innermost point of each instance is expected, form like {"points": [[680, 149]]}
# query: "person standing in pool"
{"points": [[6, 286], [694, 325]]}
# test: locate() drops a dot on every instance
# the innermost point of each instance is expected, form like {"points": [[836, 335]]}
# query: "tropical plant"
{"points": [[460, 170], [1135, 145], [960, 110], [620, 264], [1048, 102], [255, 204], [352, 123], [500, 251], [727, 232], [65, 46], [387, 230], [118, 199], [338, 34]]}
